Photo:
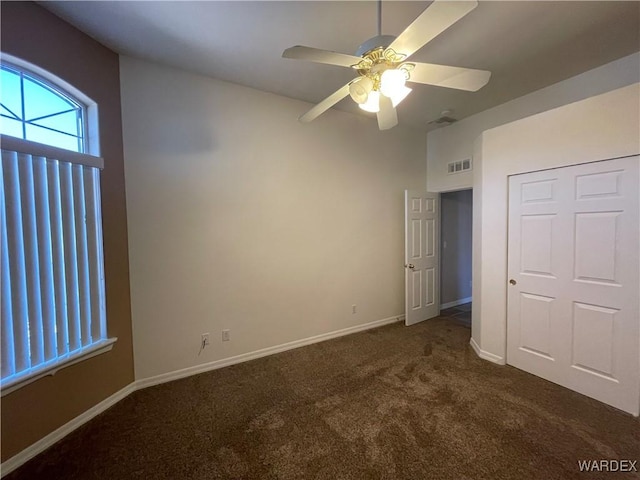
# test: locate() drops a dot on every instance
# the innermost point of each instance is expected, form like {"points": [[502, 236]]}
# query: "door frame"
{"points": [[575, 385], [506, 305], [440, 240]]}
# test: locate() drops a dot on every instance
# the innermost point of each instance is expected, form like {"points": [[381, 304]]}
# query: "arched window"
{"points": [[33, 109], [52, 299]]}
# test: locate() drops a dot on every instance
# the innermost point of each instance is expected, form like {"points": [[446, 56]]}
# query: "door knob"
{"points": [[512, 281], [410, 265]]}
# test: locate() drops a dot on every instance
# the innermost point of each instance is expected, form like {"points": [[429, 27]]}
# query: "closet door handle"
{"points": [[410, 265], [512, 282]]}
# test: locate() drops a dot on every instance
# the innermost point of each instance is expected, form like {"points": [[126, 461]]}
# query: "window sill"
{"points": [[51, 368]]}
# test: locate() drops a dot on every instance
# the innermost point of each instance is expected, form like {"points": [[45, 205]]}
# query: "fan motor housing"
{"points": [[376, 42]]}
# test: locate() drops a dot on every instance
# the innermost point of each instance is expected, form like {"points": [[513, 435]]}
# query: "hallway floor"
{"points": [[460, 314]]}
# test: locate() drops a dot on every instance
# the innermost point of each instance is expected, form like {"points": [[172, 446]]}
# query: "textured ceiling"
{"points": [[527, 45]]}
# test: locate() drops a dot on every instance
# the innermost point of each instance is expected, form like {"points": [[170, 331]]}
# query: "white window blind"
{"points": [[52, 296]]}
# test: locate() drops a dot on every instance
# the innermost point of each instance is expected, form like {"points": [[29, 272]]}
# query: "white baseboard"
{"points": [[486, 355], [455, 303], [245, 357], [61, 432], [45, 442]]}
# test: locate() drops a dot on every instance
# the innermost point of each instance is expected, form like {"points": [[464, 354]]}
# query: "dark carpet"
{"points": [[391, 403]]}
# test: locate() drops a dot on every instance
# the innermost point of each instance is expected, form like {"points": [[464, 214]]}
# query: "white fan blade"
{"points": [[387, 116], [321, 56], [451, 77], [439, 16], [325, 104]]}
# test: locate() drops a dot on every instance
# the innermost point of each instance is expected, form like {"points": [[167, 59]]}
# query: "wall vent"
{"points": [[459, 166]]}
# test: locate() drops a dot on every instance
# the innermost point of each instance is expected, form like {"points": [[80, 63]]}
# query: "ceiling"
{"points": [[526, 45]]}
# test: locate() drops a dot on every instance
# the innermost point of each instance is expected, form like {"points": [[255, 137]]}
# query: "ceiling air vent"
{"points": [[443, 121], [459, 166]]}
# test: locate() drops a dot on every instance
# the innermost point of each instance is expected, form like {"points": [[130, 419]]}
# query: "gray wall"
{"points": [[456, 245]]}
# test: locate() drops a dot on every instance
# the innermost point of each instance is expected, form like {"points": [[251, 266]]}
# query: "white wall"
{"points": [[455, 142], [242, 218], [602, 127]]}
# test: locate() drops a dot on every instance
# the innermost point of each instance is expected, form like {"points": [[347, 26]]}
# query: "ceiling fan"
{"points": [[381, 63]]}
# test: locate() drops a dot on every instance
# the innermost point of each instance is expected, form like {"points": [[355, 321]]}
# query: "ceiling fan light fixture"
{"points": [[373, 102], [400, 95], [392, 82], [382, 67], [360, 89]]}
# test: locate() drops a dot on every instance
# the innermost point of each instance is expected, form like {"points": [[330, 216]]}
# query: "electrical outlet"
{"points": [[353, 309], [205, 340], [226, 335]]}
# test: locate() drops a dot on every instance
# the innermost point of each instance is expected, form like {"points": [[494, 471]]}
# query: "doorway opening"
{"points": [[456, 219]]}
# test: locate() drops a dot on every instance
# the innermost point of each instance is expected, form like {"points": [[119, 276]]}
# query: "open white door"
{"points": [[573, 266], [422, 267]]}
